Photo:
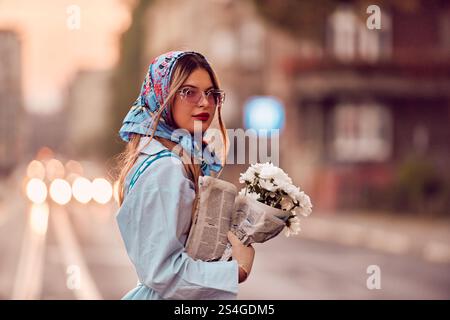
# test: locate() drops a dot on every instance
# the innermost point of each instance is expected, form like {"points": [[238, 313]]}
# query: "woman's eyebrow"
{"points": [[192, 86]]}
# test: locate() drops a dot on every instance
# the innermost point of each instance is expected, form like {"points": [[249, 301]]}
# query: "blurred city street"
{"points": [[79, 255], [350, 99]]}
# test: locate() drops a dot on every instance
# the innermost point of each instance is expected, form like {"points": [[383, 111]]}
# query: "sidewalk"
{"points": [[392, 233]]}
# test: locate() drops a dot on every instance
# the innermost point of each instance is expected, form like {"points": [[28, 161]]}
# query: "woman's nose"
{"points": [[203, 101]]}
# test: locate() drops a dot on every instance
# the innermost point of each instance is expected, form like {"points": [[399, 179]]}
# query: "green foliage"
{"points": [[419, 187]]}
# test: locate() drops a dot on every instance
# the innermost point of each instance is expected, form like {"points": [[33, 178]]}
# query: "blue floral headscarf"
{"points": [[154, 92]]}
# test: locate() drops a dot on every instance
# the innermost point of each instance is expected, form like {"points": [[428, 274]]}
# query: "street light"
{"points": [[264, 113]]}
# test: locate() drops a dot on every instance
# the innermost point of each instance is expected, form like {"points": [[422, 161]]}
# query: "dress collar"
{"points": [[152, 148]]}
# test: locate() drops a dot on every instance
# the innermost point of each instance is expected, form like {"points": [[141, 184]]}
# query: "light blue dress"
{"points": [[154, 222]]}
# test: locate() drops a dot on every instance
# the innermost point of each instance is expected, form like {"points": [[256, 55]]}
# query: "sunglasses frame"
{"points": [[221, 96]]}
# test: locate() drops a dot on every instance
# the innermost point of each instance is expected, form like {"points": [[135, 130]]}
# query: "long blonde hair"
{"points": [[126, 160]]}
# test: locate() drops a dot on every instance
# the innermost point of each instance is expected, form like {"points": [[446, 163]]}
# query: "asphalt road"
{"points": [[75, 252]]}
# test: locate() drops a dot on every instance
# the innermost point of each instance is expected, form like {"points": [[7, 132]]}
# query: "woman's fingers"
{"points": [[233, 239]]}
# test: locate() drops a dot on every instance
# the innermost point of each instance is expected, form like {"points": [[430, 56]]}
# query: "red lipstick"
{"points": [[204, 116]]}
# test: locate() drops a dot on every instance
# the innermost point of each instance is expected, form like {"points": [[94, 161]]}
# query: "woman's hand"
{"points": [[243, 255]]}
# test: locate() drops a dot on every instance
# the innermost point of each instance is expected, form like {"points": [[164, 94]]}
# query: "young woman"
{"points": [[158, 183]]}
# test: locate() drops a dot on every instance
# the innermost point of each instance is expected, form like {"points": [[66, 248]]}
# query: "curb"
{"points": [[375, 238]]}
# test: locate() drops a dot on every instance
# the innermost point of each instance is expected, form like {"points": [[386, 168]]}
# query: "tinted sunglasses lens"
{"points": [[212, 98], [192, 95]]}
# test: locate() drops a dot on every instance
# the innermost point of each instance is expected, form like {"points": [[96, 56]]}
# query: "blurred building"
{"points": [[88, 103], [11, 108], [359, 102], [46, 130], [375, 98], [245, 51], [229, 33]]}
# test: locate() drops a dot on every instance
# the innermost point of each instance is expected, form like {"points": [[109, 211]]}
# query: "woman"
{"points": [[158, 182]]}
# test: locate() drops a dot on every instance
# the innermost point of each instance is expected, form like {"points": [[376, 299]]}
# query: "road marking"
{"points": [[72, 255], [29, 275]]}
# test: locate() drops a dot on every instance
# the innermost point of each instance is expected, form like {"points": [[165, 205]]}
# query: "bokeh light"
{"points": [[73, 166], [101, 190], [36, 190], [54, 169], [264, 113], [39, 218], [36, 169], [82, 189], [60, 191]]}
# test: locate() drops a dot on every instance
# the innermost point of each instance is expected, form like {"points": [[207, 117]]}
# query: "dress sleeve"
{"points": [[153, 220]]}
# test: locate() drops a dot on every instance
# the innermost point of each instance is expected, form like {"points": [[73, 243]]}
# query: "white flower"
{"points": [[292, 191], [293, 226], [282, 185], [305, 206], [273, 180], [248, 176], [269, 171], [266, 184], [281, 178], [258, 167], [302, 211]]}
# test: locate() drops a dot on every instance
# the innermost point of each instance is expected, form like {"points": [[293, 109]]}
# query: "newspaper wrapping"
{"points": [[219, 210]]}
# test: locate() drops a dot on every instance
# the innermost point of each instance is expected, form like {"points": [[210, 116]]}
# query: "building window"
{"points": [[348, 37], [362, 132]]}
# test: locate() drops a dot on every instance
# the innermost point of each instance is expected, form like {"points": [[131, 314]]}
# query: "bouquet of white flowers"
{"points": [[270, 185], [267, 204]]}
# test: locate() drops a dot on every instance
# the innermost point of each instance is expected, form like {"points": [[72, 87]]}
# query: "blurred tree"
{"points": [[127, 77], [419, 187]]}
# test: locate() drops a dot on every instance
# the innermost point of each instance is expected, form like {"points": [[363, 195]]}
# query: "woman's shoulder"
{"points": [[157, 166], [159, 154], [161, 164]]}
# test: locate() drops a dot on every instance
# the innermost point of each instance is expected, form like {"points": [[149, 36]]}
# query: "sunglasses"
{"points": [[194, 95]]}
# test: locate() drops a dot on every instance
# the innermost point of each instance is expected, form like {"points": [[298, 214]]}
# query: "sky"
{"points": [[61, 37]]}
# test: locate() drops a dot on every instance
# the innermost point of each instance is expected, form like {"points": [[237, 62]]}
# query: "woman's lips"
{"points": [[201, 116]]}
